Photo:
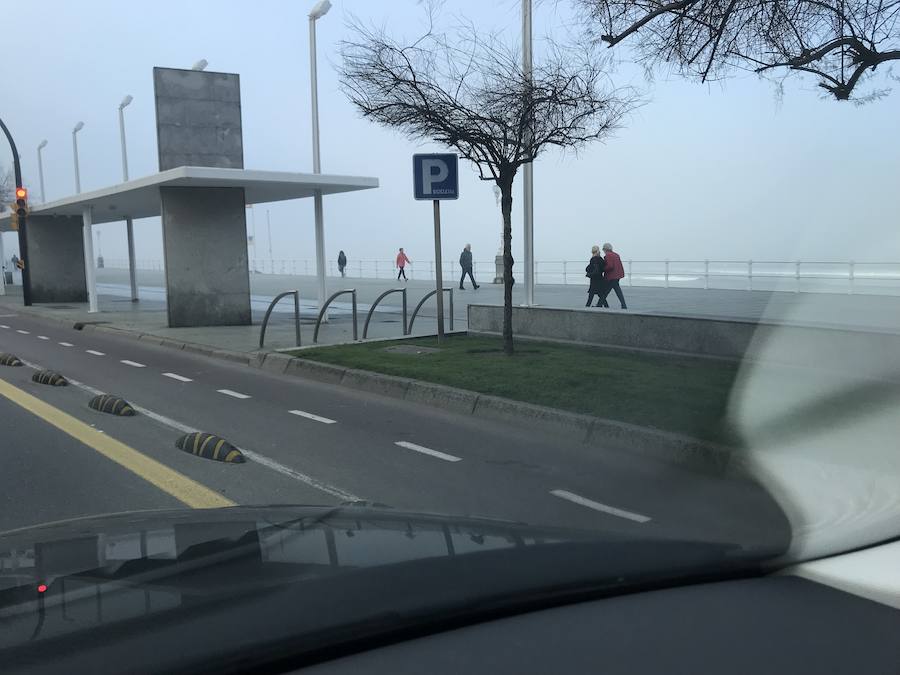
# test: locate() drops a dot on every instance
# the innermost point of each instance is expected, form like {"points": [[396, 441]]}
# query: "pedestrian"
{"points": [[342, 263], [594, 272], [401, 264], [614, 272], [465, 261]]}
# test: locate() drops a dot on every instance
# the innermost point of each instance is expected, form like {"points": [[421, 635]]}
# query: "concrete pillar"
{"points": [[56, 259], [205, 248], [90, 277]]}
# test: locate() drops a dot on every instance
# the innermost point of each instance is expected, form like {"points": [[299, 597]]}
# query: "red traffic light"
{"points": [[21, 193]]}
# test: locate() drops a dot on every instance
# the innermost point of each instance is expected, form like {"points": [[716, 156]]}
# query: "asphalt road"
{"points": [[313, 443]]}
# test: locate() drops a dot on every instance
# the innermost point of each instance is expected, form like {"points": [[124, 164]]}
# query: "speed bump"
{"points": [[210, 446], [112, 405], [9, 360], [49, 377]]}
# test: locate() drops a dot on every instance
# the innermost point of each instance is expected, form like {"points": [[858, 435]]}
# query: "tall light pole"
{"points": [[41, 169], [129, 224], [318, 11], [528, 174], [78, 127]]}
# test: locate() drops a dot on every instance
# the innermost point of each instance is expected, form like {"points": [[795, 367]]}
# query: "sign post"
{"points": [[436, 177]]}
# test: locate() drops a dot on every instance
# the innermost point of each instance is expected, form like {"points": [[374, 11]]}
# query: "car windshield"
{"points": [[588, 294]]}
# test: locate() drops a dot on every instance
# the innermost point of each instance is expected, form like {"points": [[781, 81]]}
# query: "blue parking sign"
{"points": [[435, 176]]}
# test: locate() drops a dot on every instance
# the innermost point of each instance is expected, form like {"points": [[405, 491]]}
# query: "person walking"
{"points": [[594, 272], [401, 264], [465, 261], [611, 277], [342, 263]]}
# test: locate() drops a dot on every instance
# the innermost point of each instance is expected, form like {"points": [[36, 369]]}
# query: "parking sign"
{"points": [[435, 176]]}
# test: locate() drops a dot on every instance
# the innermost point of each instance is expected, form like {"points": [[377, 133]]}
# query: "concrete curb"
{"points": [[593, 431]]}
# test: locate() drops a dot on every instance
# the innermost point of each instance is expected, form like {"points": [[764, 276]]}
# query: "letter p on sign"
{"points": [[435, 177]]}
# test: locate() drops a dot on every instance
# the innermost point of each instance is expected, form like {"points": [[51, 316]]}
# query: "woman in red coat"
{"points": [[614, 272]]}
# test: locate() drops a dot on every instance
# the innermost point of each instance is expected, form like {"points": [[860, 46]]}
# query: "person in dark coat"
{"points": [[594, 272], [465, 261], [342, 263]]}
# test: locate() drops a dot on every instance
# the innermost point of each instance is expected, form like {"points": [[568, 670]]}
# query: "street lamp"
{"points": [[129, 224], [78, 127], [40, 147], [319, 10], [528, 168], [200, 65]]}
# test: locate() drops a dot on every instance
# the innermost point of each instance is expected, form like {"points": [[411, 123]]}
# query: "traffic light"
{"points": [[20, 208]]}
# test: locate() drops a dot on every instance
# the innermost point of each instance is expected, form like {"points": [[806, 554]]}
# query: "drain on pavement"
{"points": [[210, 446], [112, 404], [49, 377], [9, 360]]}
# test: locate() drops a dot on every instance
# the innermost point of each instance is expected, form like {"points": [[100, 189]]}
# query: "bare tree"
{"points": [[840, 42], [468, 91], [7, 188]]}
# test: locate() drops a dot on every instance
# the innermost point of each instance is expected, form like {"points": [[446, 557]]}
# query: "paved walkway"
{"points": [[859, 312]]}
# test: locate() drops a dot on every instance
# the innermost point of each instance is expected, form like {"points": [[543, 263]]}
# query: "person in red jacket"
{"points": [[401, 264], [613, 272]]}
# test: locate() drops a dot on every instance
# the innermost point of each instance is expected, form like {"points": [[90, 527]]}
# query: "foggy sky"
{"points": [[721, 171]]}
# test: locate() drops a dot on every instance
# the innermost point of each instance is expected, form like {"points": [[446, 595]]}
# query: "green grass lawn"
{"points": [[675, 393]]}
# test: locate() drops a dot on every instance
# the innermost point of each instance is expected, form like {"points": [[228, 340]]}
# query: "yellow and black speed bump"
{"points": [[49, 377], [9, 360], [112, 405], [210, 446]]}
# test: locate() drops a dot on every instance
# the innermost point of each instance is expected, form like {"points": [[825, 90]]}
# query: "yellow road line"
{"points": [[184, 489]]}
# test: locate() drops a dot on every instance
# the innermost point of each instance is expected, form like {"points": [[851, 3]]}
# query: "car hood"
{"points": [[239, 586]]}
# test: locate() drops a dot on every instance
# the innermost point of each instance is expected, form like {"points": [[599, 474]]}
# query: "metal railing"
{"points": [[422, 302], [375, 304], [324, 309], [265, 321], [850, 276]]}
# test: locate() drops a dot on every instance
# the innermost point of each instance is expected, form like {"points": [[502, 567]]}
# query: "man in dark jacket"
{"points": [[465, 261], [594, 272], [342, 263]]}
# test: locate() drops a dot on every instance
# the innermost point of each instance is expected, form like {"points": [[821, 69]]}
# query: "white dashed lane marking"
{"points": [[597, 506], [234, 394], [428, 451], [23, 332], [4, 326], [133, 364], [176, 376], [310, 416], [43, 337], [66, 344], [94, 352]]}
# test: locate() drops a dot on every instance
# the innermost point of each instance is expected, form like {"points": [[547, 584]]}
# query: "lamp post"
{"points": [[129, 224], [78, 127], [528, 169], [41, 169], [319, 10]]}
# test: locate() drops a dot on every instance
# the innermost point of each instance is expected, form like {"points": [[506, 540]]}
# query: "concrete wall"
{"points": [[205, 247], [198, 119], [56, 259], [808, 346]]}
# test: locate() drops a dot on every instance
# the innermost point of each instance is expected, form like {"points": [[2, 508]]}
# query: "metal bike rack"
{"points": [[296, 294], [422, 302], [322, 311], [379, 299]]}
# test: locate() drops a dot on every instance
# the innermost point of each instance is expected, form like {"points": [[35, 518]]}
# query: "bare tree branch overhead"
{"points": [[840, 42], [467, 90]]}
